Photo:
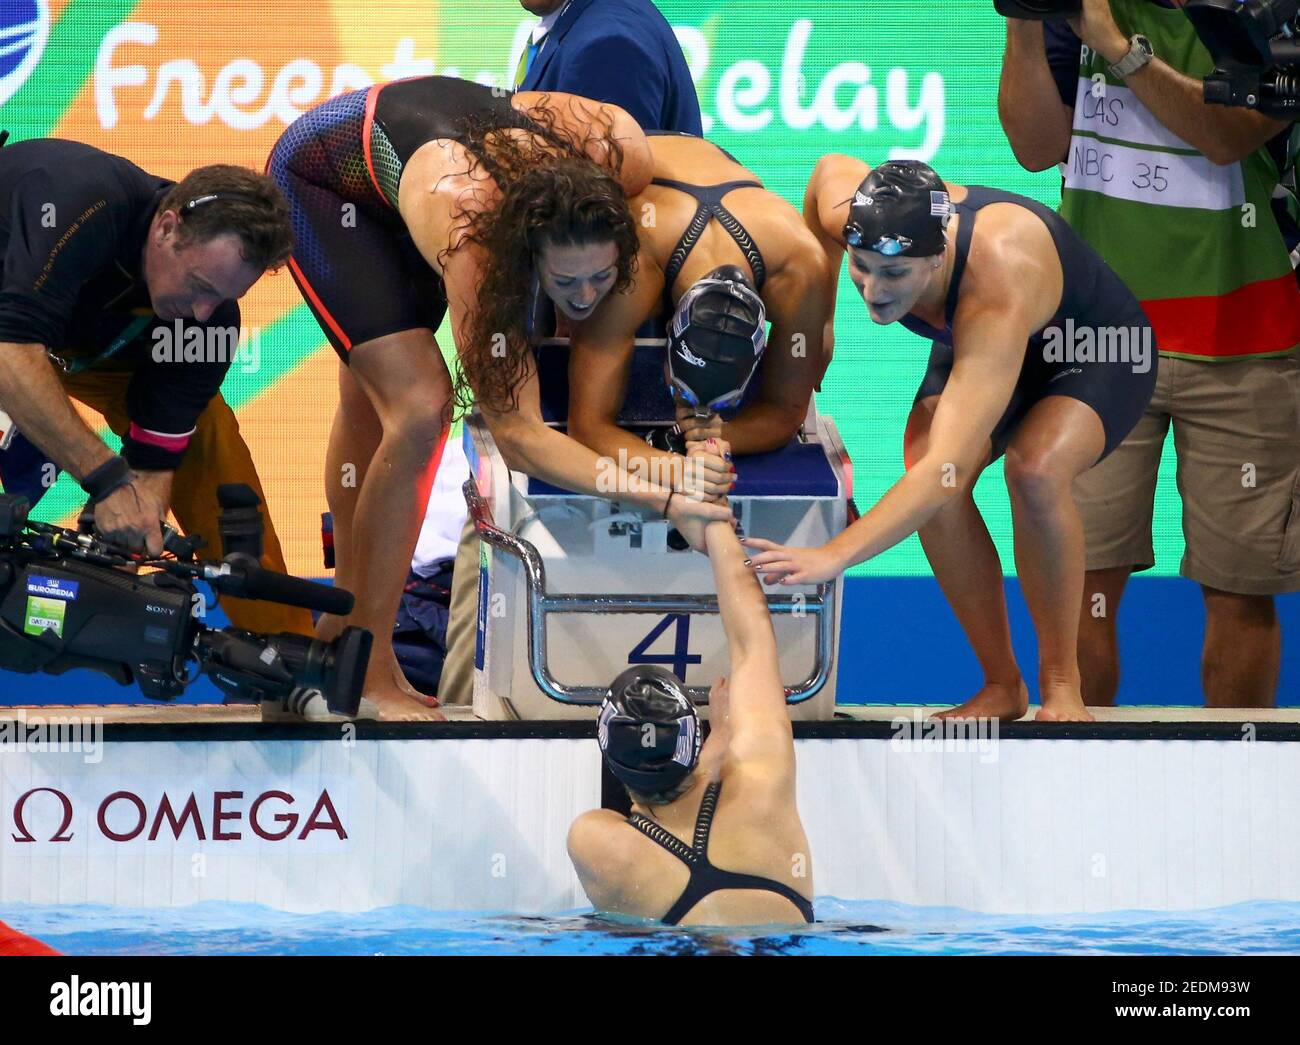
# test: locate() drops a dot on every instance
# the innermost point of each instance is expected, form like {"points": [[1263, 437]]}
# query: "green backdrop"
{"points": [[780, 83]]}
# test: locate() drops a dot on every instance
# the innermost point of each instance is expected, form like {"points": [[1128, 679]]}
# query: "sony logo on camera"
{"points": [[65, 604]]}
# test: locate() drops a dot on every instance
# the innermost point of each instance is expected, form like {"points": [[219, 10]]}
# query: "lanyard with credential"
{"points": [[132, 331]]}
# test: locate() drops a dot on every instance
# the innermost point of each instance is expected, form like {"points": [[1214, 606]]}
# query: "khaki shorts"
{"points": [[1237, 440], [457, 685]]}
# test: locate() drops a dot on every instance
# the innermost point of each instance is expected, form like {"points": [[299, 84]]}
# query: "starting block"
{"points": [[574, 588]]}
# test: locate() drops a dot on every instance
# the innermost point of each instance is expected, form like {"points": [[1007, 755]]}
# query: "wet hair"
{"points": [[552, 194], [224, 199]]}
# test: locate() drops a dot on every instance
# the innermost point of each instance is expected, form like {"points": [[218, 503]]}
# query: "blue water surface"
{"points": [[844, 928]]}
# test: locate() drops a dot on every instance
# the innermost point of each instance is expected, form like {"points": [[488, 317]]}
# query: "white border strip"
{"points": [[1023, 826]]}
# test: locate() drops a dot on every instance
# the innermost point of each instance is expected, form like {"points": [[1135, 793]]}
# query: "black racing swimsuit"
{"points": [[1093, 299], [340, 166], [710, 208], [705, 878]]}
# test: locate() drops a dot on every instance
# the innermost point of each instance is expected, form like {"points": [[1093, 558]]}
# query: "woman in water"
{"points": [[715, 836]]}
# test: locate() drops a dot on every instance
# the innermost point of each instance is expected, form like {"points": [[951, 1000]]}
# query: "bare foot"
{"points": [[396, 679], [1062, 702], [995, 700], [394, 705], [400, 681]]}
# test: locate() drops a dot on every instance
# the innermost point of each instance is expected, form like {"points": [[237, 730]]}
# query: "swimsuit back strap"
{"points": [[704, 819], [710, 194], [716, 879], [710, 206], [666, 839], [705, 878], [677, 259]]}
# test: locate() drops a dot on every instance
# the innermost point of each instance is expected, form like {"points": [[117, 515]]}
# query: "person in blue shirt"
{"points": [[588, 47]]}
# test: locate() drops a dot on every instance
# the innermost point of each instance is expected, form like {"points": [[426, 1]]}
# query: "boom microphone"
{"points": [[294, 591], [243, 578]]}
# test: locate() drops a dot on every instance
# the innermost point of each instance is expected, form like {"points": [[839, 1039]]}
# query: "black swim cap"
{"points": [[716, 339], [648, 729], [901, 207]]}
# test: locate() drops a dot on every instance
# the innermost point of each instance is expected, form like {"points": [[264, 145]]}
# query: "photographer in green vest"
{"points": [[1176, 196]]}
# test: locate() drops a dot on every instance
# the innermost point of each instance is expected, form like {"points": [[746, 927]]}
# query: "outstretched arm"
{"points": [[761, 737], [990, 348], [754, 706]]}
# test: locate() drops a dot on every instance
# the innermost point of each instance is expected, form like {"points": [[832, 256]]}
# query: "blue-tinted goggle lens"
{"points": [[890, 246]]}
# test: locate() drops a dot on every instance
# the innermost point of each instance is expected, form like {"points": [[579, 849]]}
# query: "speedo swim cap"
{"points": [[901, 207], [648, 729], [716, 340]]}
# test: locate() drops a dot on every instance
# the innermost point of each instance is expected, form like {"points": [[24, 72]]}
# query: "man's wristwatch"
{"points": [[1139, 53]]}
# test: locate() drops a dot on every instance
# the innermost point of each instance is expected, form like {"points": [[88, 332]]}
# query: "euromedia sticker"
{"points": [[47, 604]]}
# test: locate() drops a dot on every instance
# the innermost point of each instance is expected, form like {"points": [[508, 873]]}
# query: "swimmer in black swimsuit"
{"points": [[715, 245], [1008, 292], [430, 196], [715, 836]]}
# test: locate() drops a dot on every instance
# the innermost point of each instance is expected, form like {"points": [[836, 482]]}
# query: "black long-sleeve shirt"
{"points": [[73, 224]]}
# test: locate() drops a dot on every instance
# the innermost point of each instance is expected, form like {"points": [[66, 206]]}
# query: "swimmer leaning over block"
{"points": [[476, 204], [719, 256]]}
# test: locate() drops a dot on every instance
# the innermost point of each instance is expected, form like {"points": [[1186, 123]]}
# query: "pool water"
{"points": [[846, 928]]}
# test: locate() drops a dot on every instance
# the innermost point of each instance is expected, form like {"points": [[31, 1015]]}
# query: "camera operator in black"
{"points": [[104, 263]]}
